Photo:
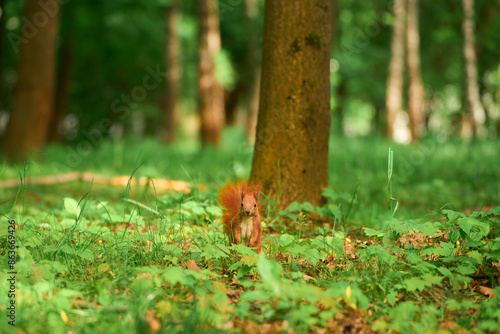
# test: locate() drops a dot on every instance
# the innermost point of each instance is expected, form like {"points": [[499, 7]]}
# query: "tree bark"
{"points": [[477, 115], [291, 149], [172, 69], [211, 92], [34, 93], [394, 94], [416, 90]]}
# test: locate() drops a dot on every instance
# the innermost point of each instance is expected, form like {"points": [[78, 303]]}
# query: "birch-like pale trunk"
{"points": [[416, 90], [476, 115], [394, 93]]}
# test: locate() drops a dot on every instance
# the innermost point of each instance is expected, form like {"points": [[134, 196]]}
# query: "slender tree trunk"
{"points": [[291, 149], [211, 92], [253, 106], [173, 70], [416, 90], [231, 99], [497, 98], [2, 31], [34, 93], [378, 123], [62, 91], [394, 94], [252, 12], [339, 110], [477, 115]]}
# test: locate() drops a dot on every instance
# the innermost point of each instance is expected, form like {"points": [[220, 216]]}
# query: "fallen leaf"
{"points": [[64, 317], [485, 291], [191, 264]]}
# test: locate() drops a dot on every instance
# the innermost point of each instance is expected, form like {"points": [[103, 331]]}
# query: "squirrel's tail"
{"points": [[230, 200]]}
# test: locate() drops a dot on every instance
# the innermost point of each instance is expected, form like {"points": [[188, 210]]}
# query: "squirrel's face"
{"points": [[249, 205]]}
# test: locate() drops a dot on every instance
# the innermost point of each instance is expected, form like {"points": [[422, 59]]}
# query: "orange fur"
{"points": [[240, 205]]}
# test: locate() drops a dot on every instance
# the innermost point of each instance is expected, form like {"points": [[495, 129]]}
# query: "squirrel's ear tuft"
{"points": [[258, 188], [243, 187]]}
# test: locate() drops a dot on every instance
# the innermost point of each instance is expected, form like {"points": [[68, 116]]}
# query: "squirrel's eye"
{"points": [[241, 203], [255, 205]]}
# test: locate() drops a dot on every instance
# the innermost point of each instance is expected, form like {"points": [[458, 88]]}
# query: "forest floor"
{"points": [[136, 258]]}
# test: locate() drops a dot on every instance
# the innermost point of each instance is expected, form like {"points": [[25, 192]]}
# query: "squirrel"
{"points": [[241, 214]]}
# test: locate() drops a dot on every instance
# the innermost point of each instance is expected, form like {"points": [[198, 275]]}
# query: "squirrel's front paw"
{"points": [[252, 241]]}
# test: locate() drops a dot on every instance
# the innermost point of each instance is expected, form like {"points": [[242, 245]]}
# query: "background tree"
{"points": [[172, 70], [252, 12], [394, 94], [66, 60], [476, 116], [416, 89], [362, 50], [64, 69], [34, 94], [2, 34], [211, 92], [291, 149]]}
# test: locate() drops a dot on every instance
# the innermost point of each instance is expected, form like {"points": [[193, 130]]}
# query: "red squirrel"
{"points": [[241, 214]]}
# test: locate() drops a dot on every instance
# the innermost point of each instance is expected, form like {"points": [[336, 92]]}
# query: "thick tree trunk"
{"points": [[211, 92], [172, 69], [477, 115], [416, 90], [34, 93], [291, 149], [62, 91], [252, 12], [394, 94]]}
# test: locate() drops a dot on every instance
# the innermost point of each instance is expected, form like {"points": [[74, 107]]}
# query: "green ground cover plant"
{"points": [[409, 246]]}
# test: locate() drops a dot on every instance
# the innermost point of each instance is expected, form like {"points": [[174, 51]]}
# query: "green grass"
{"points": [[94, 258]]}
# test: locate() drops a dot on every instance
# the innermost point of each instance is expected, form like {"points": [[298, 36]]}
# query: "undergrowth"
{"points": [[103, 259]]}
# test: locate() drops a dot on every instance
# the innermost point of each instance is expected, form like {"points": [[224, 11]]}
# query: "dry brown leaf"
{"points": [[144, 275], [449, 324], [485, 290], [191, 264]]}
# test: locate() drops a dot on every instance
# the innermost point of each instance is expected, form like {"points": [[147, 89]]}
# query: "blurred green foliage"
{"points": [[426, 177], [114, 43]]}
